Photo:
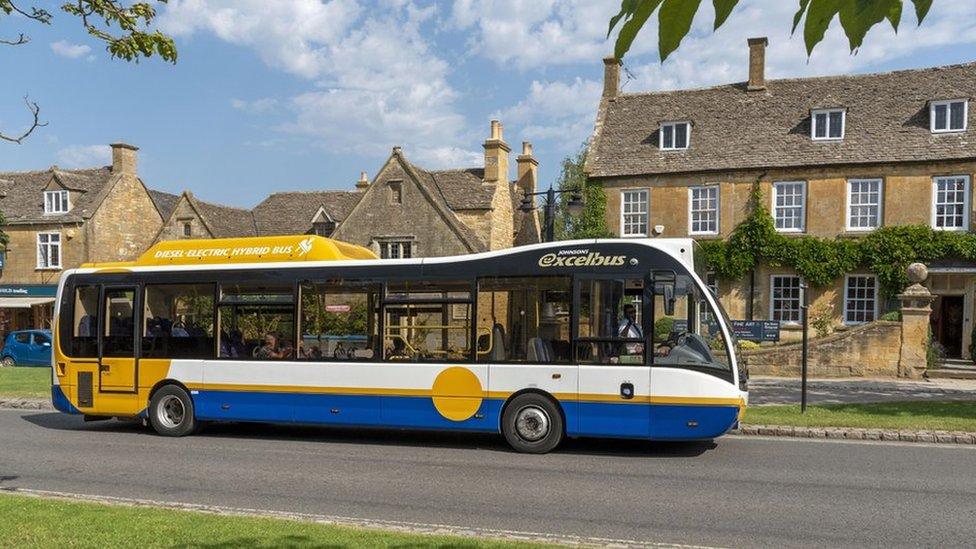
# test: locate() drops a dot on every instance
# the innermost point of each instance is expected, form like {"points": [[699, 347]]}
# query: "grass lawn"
{"points": [[25, 382], [35, 522], [931, 416]]}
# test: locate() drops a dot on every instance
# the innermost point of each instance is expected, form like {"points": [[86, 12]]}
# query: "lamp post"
{"points": [[574, 207], [804, 350]]}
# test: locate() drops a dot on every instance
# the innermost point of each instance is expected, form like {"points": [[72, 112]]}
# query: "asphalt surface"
{"points": [[733, 492]]}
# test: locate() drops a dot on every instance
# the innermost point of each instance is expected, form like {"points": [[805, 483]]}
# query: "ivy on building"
{"points": [[886, 251]]}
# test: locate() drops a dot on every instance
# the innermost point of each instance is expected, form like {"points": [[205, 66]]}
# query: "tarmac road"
{"points": [[737, 491]]}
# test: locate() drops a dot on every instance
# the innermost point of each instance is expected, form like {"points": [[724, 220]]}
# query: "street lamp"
{"points": [[574, 206]]}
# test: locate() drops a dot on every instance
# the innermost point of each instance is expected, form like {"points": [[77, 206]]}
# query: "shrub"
{"points": [[747, 345], [891, 315]]}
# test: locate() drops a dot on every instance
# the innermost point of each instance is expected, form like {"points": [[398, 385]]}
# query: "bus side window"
{"points": [[338, 321], [524, 319], [257, 321], [610, 328], [84, 326], [427, 322], [178, 321]]}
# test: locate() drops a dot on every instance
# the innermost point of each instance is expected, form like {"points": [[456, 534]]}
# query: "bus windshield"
{"points": [[686, 326]]}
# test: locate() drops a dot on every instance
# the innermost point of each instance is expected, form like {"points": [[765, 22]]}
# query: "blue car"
{"points": [[27, 348]]}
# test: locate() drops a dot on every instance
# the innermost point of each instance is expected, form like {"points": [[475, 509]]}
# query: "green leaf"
{"points": [[922, 9], [858, 16], [894, 15], [799, 14], [674, 22], [819, 15], [627, 8], [633, 25], [723, 8]]}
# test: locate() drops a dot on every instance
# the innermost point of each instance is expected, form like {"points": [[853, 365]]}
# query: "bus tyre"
{"points": [[532, 424], [171, 412]]}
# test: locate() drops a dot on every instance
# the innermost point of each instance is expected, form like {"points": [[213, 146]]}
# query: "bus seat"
{"points": [[498, 341], [537, 351]]}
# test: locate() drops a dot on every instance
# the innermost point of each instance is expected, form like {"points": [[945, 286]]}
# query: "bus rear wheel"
{"points": [[171, 412], [532, 424]]}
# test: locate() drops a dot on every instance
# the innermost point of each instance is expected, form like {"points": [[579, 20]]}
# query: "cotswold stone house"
{"points": [[405, 211], [835, 157], [58, 219]]}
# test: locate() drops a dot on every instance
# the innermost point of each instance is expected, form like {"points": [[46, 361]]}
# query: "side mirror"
{"points": [[669, 299]]}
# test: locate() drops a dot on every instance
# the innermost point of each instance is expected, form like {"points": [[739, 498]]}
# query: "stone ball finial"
{"points": [[917, 273]]}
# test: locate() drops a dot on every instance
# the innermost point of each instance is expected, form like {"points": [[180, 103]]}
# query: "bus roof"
{"points": [[264, 249]]}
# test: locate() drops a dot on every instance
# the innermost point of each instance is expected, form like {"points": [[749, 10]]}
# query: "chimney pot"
{"points": [[757, 63], [526, 148], [611, 77], [124, 158], [397, 150], [363, 182], [496, 130], [496, 155]]}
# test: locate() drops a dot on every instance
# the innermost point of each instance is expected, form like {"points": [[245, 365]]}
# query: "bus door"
{"points": [[118, 331], [611, 325]]}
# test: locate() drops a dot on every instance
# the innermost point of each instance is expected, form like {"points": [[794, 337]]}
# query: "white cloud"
{"points": [[69, 50], [376, 80], [557, 111], [256, 106], [535, 33], [84, 156]]}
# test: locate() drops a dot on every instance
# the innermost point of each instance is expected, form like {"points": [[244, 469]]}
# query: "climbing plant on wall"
{"points": [[886, 251]]}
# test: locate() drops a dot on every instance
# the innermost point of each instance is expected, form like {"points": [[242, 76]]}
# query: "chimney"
{"points": [[363, 182], [496, 155], [527, 169], [757, 63], [124, 158], [611, 77]]}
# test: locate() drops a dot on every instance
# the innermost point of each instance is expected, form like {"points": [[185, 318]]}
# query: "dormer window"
{"points": [[827, 124], [948, 116], [56, 202], [675, 135], [396, 192]]}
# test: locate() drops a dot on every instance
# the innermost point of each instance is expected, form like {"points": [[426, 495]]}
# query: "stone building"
{"points": [[58, 219], [405, 211], [834, 156]]}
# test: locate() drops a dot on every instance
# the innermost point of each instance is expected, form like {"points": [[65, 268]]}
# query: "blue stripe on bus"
{"points": [[655, 421], [61, 402]]}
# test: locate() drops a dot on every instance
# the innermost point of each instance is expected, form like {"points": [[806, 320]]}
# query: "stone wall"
{"points": [[21, 262], [183, 213], [125, 223], [868, 350]]}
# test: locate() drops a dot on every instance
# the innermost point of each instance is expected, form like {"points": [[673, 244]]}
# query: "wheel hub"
{"points": [[170, 412], [532, 423]]}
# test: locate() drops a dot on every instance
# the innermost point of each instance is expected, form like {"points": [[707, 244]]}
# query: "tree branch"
{"points": [[36, 112], [20, 40]]}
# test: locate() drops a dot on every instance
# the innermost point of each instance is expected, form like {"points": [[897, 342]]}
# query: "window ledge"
{"points": [[706, 236], [48, 268]]}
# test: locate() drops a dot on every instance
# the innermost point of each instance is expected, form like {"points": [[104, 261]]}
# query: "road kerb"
{"points": [[857, 433]]}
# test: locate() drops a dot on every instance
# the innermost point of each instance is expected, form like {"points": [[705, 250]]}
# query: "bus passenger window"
{"points": [[610, 327], [119, 333], [257, 322], [338, 321], [178, 321], [84, 334], [524, 319], [427, 322], [685, 331]]}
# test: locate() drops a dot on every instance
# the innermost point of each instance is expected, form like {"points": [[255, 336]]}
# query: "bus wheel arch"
{"points": [[532, 421], [171, 411]]}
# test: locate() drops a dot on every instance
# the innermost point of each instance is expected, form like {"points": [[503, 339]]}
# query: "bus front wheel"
{"points": [[171, 412], [532, 424]]}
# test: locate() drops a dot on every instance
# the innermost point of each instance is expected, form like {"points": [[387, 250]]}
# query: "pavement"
{"points": [[779, 390], [736, 491]]}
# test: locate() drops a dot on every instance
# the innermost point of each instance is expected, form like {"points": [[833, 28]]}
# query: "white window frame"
{"points": [[672, 125], [59, 197], [827, 137], [967, 201], [846, 298], [880, 204], [772, 300], [692, 210], [948, 105], [399, 244], [803, 206], [647, 211], [44, 250]]}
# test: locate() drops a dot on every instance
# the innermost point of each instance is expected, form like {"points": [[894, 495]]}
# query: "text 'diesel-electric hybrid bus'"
{"points": [[601, 338]]}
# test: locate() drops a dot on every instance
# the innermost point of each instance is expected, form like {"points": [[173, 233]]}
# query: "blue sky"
{"points": [[303, 94]]}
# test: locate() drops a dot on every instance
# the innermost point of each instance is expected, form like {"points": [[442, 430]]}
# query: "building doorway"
{"points": [[947, 319]]}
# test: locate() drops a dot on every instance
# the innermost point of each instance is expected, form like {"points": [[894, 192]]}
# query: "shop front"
{"points": [[24, 306]]}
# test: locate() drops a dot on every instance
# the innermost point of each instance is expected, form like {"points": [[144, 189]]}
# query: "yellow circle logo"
{"points": [[457, 393]]}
